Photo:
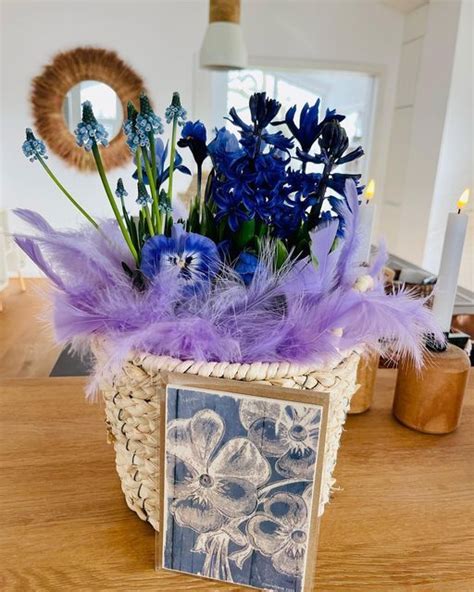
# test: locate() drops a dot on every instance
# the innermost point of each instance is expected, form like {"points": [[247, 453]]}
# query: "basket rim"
{"points": [[247, 371], [153, 364]]}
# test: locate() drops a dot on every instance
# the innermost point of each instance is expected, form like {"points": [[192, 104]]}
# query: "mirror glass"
{"points": [[107, 106]]}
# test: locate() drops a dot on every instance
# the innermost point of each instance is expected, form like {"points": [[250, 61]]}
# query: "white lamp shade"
{"points": [[223, 47]]}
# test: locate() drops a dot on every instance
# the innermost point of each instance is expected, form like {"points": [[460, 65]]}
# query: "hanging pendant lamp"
{"points": [[223, 47]]}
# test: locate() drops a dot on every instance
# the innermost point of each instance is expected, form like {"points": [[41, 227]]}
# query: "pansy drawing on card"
{"points": [[241, 478]]}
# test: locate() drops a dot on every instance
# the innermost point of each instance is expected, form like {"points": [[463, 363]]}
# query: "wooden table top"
{"points": [[403, 519]]}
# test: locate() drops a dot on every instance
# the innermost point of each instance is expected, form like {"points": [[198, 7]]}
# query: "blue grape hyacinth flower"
{"points": [[120, 190], [147, 122], [193, 257], [33, 148], [175, 112], [144, 197], [89, 131]]}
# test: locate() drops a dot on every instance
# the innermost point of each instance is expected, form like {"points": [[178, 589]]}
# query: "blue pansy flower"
{"points": [[89, 131], [194, 137], [33, 148], [246, 266], [194, 257]]}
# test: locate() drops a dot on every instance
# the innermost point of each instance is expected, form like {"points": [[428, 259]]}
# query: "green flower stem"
{"points": [[151, 137], [112, 201], [154, 194], [199, 196], [148, 221], [66, 193], [172, 157], [138, 162]]}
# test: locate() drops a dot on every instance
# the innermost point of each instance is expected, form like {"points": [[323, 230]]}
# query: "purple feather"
{"points": [[294, 314], [348, 265]]}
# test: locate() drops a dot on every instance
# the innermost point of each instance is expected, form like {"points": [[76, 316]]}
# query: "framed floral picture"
{"points": [[240, 476]]}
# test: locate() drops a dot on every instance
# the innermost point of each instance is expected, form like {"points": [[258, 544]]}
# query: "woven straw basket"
{"points": [[132, 413]]}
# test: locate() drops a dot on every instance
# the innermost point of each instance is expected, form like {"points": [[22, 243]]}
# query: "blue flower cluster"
{"points": [[89, 131], [175, 112], [120, 190], [140, 127], [144, 197], [257, 178], [33, 148]]}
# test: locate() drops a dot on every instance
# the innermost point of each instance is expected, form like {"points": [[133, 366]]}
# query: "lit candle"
{"points": [[366, 224], [446, 286]]}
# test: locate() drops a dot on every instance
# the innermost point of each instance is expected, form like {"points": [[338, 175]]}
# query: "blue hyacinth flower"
{"points": [[89, 131], [175, 112], [33, 148], [193, 257]]}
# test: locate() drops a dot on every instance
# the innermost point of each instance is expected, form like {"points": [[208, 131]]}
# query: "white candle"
{"points": [[446, 286], [366, 221]]}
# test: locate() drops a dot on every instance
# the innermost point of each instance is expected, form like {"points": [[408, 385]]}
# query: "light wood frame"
{"points": [[65, 71], [224, 386]]}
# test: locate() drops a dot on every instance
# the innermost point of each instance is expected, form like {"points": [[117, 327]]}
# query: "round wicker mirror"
{"points": [[71, 77]]}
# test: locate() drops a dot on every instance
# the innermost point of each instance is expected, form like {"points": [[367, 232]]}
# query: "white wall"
{"points": [[160, 40], [456, 164], [430, 157]]}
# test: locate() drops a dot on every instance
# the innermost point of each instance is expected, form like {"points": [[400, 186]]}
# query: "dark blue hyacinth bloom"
{"points": [[337, 182], [309, 128], [162, 171], [194, 137], [246, 266], [224, 149], [193, 257], [229, 204], [263, 110]]}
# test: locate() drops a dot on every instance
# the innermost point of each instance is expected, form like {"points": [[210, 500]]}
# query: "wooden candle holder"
{"points": [[366, 373], [430, 400]]}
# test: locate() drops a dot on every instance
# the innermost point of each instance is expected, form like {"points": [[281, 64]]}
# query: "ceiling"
{"points": [[404, 5]]}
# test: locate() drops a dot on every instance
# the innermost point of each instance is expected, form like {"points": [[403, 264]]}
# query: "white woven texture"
{"points": [[132, 414]]}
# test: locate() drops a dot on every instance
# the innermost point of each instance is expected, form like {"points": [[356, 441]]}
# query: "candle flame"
{"points": [[462, 201], [370, 190]]}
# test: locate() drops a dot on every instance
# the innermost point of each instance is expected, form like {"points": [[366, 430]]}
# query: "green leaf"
{"points": [[281, 253], [208, 226], [245, 233]]}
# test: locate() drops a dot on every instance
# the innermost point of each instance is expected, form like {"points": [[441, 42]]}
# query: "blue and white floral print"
{"points": [[219, 483], [288, 434], [240, 473]]}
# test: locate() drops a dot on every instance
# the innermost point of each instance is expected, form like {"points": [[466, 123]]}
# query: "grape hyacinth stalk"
{"points": [[89, 134], [34, 149], [176, 115], [143, 200]]}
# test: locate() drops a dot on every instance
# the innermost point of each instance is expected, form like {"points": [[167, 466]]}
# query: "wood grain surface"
{"points": [[27, 347], [402, 520]]}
